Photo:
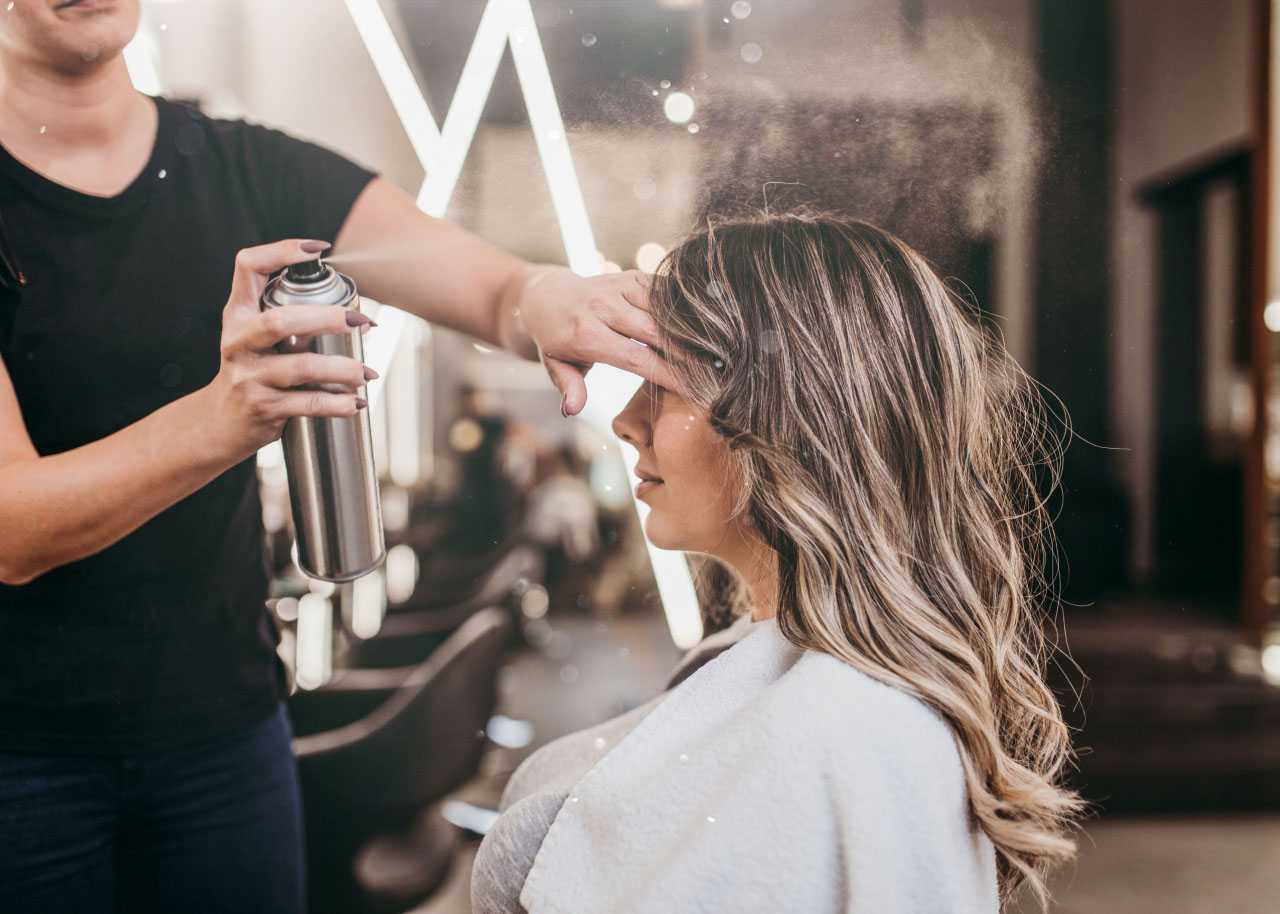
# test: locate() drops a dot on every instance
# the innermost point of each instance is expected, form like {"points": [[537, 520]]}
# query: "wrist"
{"points": [[512, 333], [214, 441]]}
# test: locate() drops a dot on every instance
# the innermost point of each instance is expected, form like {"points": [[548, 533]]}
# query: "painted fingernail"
{"points": [[356, 319], [314, 247], [369, 373], [361, 402]]}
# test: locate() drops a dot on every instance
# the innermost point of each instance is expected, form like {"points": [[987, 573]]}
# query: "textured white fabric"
{"points": [[773, 779]]}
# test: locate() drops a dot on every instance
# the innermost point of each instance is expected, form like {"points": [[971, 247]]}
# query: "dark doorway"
{"points": [[1199, 459]]}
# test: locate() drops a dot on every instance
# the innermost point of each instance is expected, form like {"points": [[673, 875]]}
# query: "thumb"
{"points": [[570, 380]]}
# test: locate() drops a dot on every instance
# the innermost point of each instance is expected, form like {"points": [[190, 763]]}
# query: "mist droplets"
{"points": [[770, 342], [678, 107], [741, 9], [588, 40], [751, 52]]}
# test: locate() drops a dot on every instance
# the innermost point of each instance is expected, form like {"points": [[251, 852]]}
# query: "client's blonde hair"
{"points": [[893, 456]]}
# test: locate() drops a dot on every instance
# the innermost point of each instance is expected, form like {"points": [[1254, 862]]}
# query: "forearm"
{"points": [[436, 270], [60, 508]]}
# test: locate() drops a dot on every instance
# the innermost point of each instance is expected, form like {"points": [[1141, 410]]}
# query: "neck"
{"points": [[763, 587], [91, 108], [758, 565]]}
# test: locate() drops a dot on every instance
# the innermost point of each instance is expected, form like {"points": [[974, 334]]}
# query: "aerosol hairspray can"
{"points": [[337, 515]]}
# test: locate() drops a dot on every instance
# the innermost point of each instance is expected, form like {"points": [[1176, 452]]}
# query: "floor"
{"points": [[1174, 865], [584, 670]]}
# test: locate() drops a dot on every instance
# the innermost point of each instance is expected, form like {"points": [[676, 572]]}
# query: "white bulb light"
{"points": [[1271, 315], [678, 107], [312, 665], [1271, 663], [402, 573], [649, 256], [368, 604]]}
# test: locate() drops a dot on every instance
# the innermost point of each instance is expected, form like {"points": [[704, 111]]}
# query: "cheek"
{"points": [[700, 483]]}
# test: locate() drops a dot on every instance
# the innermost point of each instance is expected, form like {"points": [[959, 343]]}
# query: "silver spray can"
{"points": [[333, 488]]}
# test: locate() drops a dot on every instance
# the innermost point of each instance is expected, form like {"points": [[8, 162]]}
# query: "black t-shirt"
{"points": [[163, 638]]}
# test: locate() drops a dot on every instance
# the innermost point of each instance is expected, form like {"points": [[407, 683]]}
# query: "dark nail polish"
{"points": [[314, 247], [369, 373], [361, 402], [356, 319]]}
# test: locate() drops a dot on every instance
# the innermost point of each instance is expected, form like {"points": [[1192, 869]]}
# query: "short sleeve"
{"points": [[306, 190]]}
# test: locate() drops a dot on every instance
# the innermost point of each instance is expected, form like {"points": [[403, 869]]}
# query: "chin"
{"points": [[659, 532], [671, 536], [99, 34]]}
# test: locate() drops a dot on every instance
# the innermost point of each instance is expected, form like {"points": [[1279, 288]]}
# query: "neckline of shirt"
{"points": [[69, 199]]}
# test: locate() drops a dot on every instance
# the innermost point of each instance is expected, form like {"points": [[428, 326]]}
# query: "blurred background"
{"points": [[1095, 177]]}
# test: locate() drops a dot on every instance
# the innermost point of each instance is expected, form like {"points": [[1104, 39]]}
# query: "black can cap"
{"points": [[307, 271]]}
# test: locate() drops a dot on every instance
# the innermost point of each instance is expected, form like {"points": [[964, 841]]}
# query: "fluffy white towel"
{"points": [[773, 779]]}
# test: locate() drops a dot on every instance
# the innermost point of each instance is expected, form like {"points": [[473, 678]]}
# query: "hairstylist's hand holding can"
{"points": [[254, 391]]}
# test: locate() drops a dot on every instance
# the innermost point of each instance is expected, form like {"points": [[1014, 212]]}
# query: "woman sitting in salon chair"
{"points": [[850, 441]]}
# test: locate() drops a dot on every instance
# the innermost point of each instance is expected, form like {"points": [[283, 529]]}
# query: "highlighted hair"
{"points": [[892, 455]]}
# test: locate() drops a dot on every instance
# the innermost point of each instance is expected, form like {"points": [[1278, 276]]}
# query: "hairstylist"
{"points": [[145, 760]]}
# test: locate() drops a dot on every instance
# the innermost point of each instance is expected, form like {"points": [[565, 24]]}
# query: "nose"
{"points": [[632, 424]]}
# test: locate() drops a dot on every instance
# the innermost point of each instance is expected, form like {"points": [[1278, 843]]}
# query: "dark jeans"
{"points": [[211, 827]]}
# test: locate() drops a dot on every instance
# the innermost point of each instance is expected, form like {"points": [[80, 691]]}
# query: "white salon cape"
{"points": [[772, 779]]}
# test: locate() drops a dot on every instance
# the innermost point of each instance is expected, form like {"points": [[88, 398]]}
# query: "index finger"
{"points": [[255, 265], [274, 325], [634, 287], [643, 360]]}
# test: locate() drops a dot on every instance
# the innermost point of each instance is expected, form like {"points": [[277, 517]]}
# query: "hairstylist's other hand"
{"points": [[577, 321], [254, 391]]}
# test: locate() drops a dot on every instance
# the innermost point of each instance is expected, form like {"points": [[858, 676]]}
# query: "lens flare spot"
{"points": [[678, 107]]}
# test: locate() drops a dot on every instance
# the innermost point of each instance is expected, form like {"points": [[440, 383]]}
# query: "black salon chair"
{"points": [[368, 786], [346, 698], [482, 582], [407, 637]]}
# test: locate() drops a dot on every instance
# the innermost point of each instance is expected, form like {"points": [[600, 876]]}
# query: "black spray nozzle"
{"points": [[307, 271]]}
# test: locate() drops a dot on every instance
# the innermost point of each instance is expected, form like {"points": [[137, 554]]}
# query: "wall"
{"points": [[1181, 95]]}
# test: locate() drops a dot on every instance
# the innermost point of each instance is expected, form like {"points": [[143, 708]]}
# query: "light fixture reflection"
{"points": [[442, 151]]}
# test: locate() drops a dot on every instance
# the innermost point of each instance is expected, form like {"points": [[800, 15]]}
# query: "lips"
{"points": [[645, 485], [648, 481]]}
